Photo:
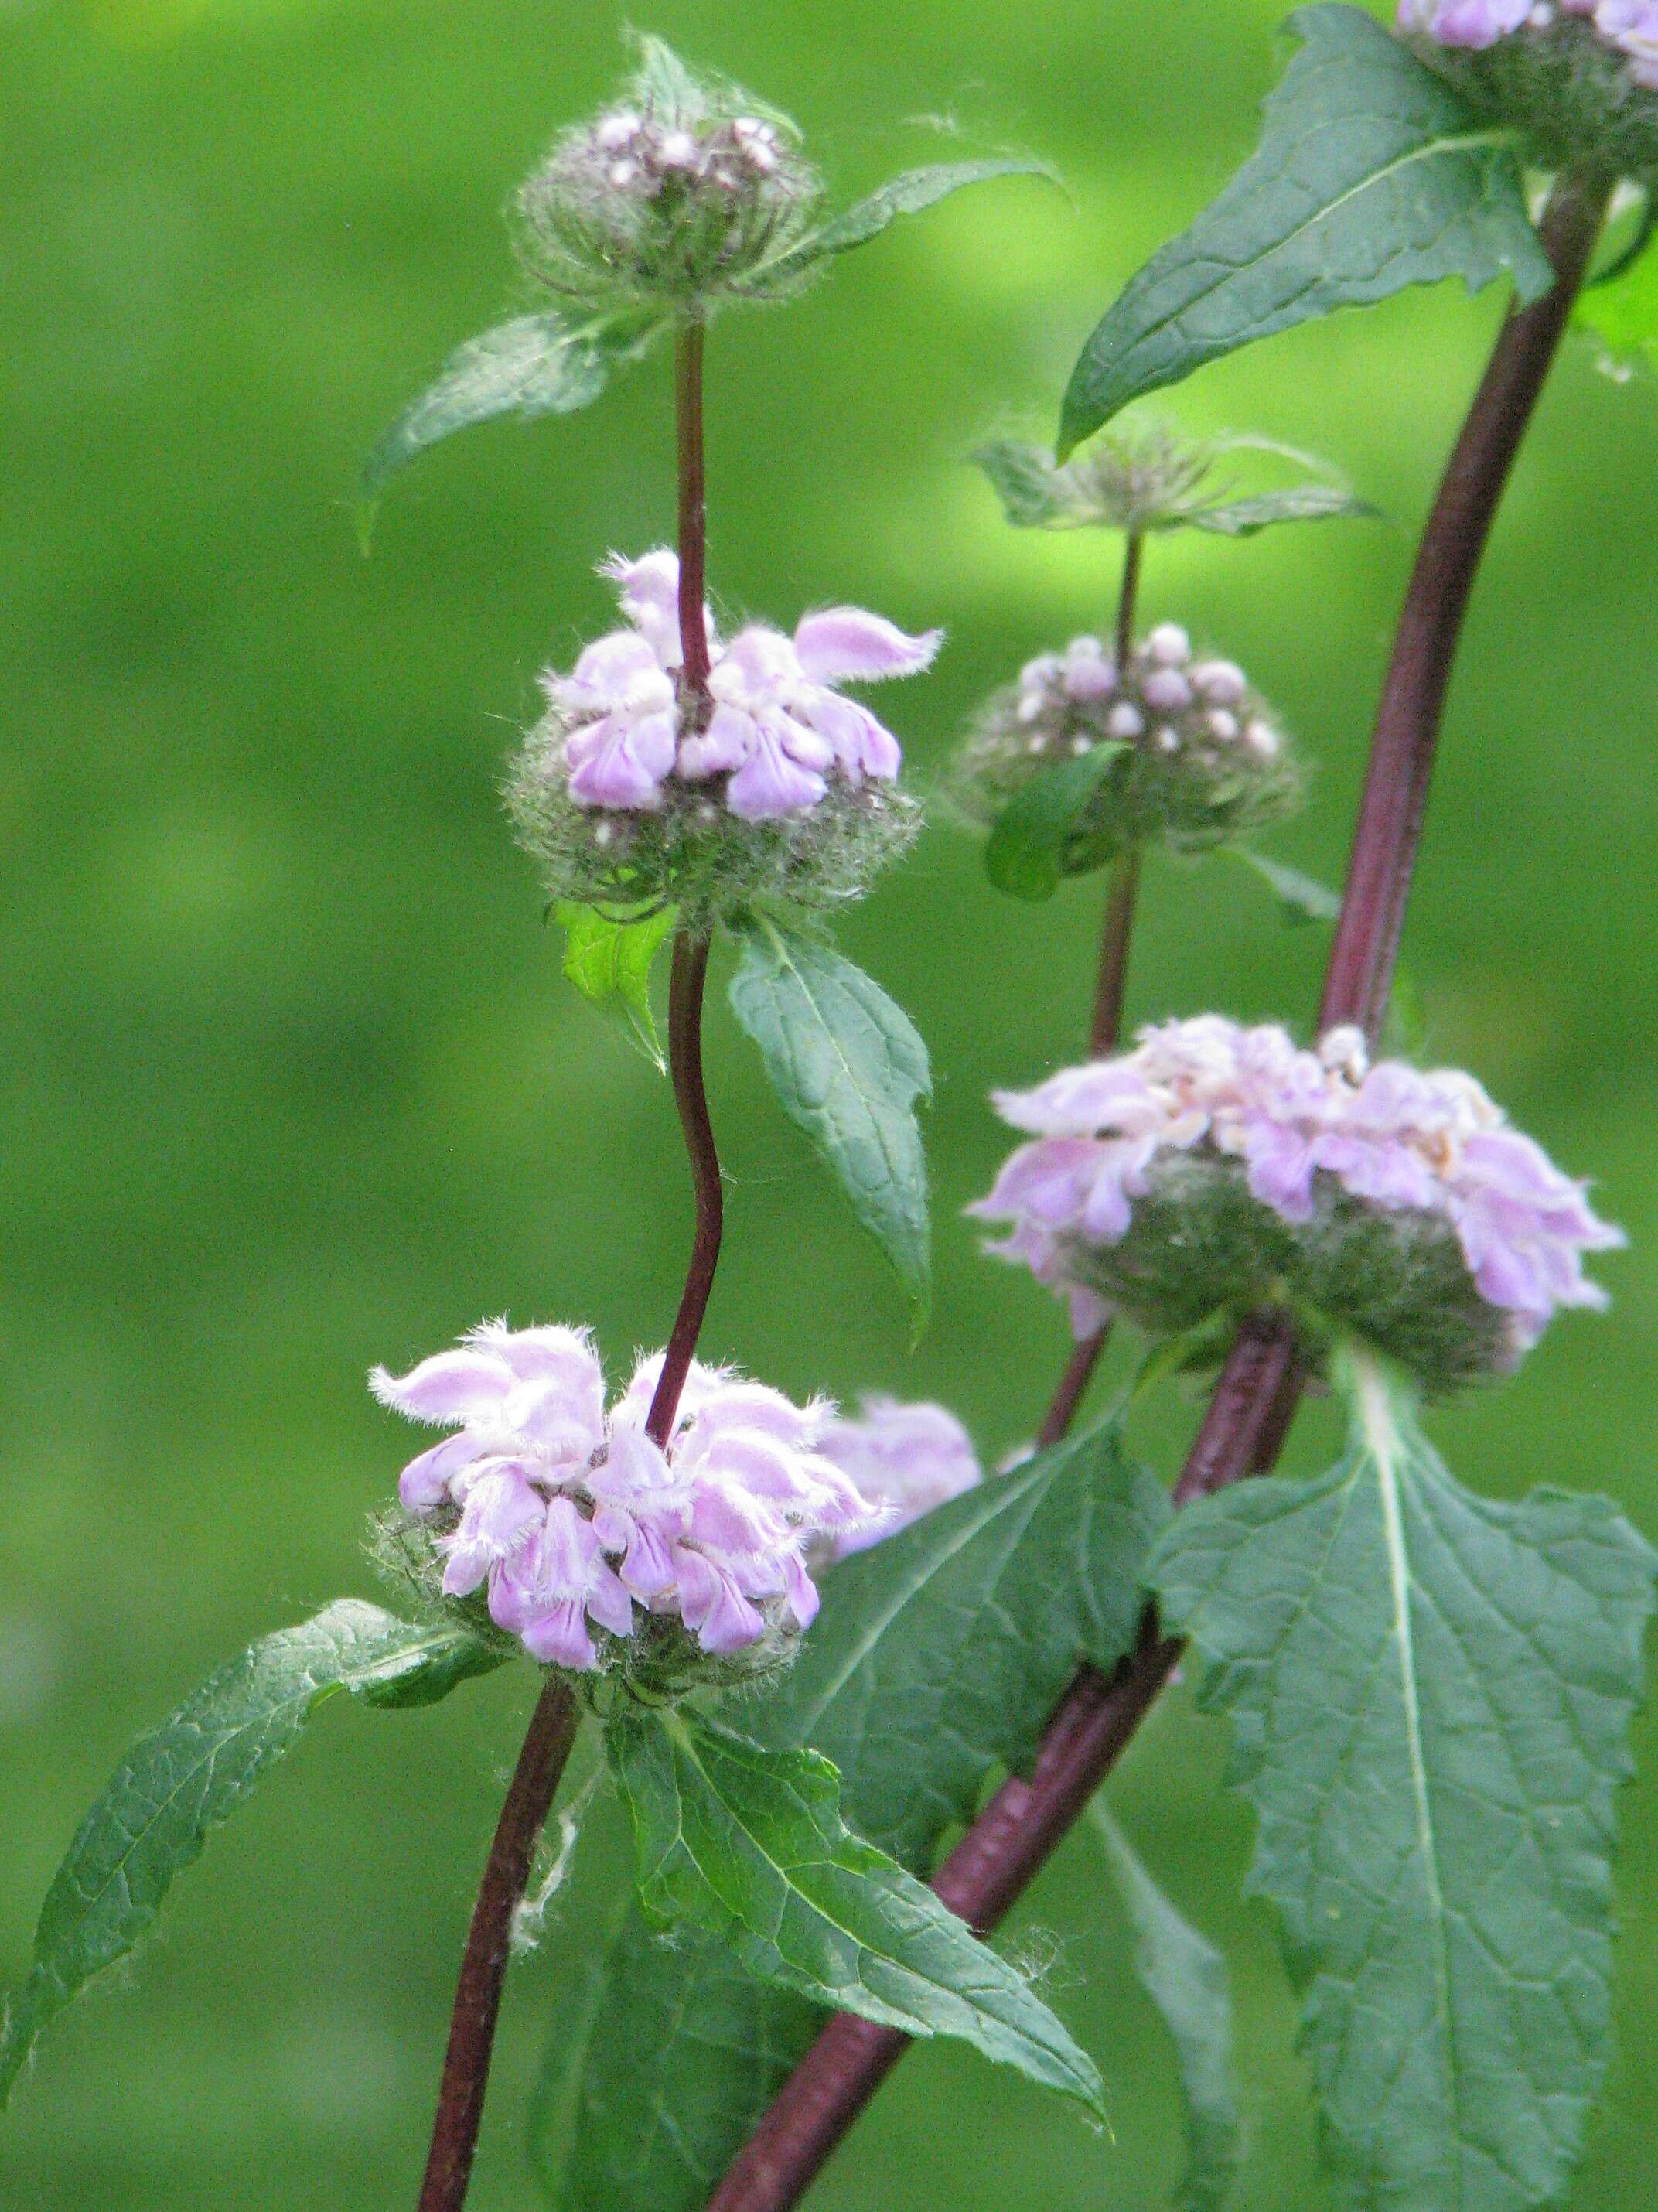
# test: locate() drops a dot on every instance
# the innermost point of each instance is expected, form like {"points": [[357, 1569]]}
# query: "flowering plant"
{"points": [[851, 1688]]}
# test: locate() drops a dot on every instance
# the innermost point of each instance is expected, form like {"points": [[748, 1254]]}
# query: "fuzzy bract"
{"points": [[591, 1544], [904, 1459], [1576, 77], [683, 194], [1216, 1166], [627, 790], [1198, 758]]}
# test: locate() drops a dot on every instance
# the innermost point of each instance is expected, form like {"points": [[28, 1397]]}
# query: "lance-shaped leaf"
{"points": [[609, 962], [1024, 854], [749, 1844], [905, 194], [1186, 1978], [937, 1658], [1310, 502], [1372, 174], [847, 1066], [182, 1779], [541, 364], [1430, 1695], [1300, 898]]}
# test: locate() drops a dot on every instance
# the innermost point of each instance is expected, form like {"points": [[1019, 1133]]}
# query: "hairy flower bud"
{"points": [[1579, 78], [576, 1534], [628, 792], [1200, 758], [679, 196], [1215, 1169]]}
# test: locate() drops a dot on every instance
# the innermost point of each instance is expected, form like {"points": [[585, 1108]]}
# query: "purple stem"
{"points": [[1255, 1398]]}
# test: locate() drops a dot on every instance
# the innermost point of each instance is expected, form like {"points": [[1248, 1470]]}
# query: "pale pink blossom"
{"points": [[780, 730], [569, 1516], [903, 1460], [1389, 1134]]}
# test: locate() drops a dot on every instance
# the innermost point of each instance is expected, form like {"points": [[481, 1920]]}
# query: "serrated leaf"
{"points": [[1430, 1695], [933, 1665], [609, 962], [184, 1779], [535, 365], [665, 84], [1372, 174], [1024, 854], [749, 1844], [907, 193], [1186, 1978], [847, 1067], [1302, 898]]}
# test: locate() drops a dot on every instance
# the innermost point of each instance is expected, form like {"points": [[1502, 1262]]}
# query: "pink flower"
{"points": [[1390, 1135], [1464, 22], [903, 1460], [779, 728], [570, 1516]]}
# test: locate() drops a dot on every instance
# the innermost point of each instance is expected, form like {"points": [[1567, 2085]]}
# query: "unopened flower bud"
{"points": [[1216, 1168], [1181, 777], [680, 198]]}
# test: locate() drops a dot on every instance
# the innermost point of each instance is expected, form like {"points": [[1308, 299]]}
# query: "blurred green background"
{"points": [[291, 1082]]}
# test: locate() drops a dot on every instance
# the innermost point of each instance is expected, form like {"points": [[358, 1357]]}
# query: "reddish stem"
{"points": [[488, 1947], [693, 515], [690, 969], [1255, 1397]]}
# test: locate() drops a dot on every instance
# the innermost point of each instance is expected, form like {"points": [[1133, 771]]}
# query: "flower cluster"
{"points": [[684, 193], [1215, 1167], [1577, 77], [627, 790], [903, 1460], [589, 1542], [1197, 757]]}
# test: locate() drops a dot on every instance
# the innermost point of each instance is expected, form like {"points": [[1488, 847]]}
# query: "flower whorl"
{"points": [[592, 1545], [1215, 1167]]}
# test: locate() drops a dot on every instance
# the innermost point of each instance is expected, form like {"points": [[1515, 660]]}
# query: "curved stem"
{"points": [[1255, 1398], [489, 1945], [1133, 553], [690, 969]]}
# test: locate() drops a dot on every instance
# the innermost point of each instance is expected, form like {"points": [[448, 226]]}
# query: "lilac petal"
{"points": [[730, 737], [559, 1638], [799, 1589], [769, 785], [845, 645], [613, 775], [425, 1483], [647, 1567], [649, 591], [862, 745], [601, 676], [712, 1606], [450, 1387], [609, 1603]]}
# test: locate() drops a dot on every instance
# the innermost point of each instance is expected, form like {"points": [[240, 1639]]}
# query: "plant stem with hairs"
{"points": [[1255, 1397], [557, 1718]]}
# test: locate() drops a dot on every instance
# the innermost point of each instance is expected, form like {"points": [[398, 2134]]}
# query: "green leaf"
{"points": [[907, 194], [664, 83], [940, 1653], [1430, 1695], [541, 364], [749, 1844], [609, 962], [1186, 1978], [1373, 174], [1024, 854], [1623, 314], [185, 1777], [847, 1066], [1302, 898], [936, 1661]]}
